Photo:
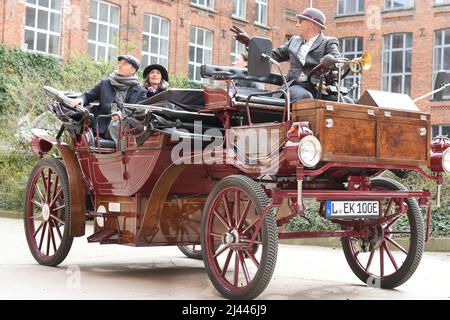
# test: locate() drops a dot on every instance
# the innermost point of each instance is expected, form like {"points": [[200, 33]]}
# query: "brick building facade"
{"points": [[182, 34]]}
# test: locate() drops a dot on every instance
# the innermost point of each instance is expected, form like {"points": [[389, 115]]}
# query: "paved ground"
{"points": [[116, 272]]}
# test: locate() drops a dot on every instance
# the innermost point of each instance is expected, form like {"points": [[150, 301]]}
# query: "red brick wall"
{"points": [[424, 15], [281, 22]]}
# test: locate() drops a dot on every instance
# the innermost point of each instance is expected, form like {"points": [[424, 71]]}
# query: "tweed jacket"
{"points": [[322, 46]]}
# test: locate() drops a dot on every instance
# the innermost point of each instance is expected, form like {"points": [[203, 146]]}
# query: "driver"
{"points": [[303, 51], [122, 86]]}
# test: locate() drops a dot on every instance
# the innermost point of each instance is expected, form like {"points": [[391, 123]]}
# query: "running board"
{"points": [[102, 236]]}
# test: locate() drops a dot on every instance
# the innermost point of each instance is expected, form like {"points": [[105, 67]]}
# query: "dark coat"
{"points": [[105, 94], [151, 94], [322, 46]]}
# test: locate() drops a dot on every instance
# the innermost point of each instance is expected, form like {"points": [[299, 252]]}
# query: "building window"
{"points": [[103, 31], [442, 1], [397, 53], [261, 12], [441, 130], [442, 56], [208, 4], [155, 41], [200, 51], [239, 8], [398, 4], [352, 48], [43, 26], [350, 7], [236, 49]]}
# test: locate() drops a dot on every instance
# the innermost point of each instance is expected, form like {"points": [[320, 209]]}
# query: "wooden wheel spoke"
{"points": [[249, 241], [56, 196], [215, 235], [393, 221], [56, 186], [244, 267], [236, 269], [244, 215], [227, 210], [237, 206], [381, 261], [391, 257], [396, 232], [42, 235], [219, 216], [38, 229], [391, 201], [44, 182], [218, 253], [57, 219], [397, 245], [50, 224], [49, 185], [40, 195], [59, 208], [57, 230], [252, 257], [227, 263], [49, 234], [40, 205], [372, 253], [253, 224], [36, 217]]}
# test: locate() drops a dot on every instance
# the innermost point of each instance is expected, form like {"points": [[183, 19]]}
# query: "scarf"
{"points": [[122, 84]]}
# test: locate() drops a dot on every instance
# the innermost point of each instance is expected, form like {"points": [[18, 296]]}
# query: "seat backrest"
{"points": [[232, 73]]}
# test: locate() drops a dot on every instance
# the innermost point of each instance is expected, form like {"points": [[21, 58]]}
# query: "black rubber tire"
{"points": [[269, 234], [197, 255], [417, 242], [66, 243]]}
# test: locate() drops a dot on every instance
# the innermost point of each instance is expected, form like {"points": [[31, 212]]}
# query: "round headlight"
{"points": [[309, 151], [446, 160]]}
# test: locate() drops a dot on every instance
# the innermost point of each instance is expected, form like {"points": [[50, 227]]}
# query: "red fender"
{"points": [[41, 145]]}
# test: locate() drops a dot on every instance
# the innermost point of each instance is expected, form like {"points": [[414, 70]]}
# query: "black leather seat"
{"points": [[108, 144], [261, 100]]}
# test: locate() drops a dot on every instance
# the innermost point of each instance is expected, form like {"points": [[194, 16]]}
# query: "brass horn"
{"points": [[363, 63]]}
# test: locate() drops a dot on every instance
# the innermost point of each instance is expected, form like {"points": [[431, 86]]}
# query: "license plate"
{"points": [[352, 209]]}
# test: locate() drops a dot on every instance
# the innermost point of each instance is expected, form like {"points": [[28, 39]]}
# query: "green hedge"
{"points": [[23, 76]]}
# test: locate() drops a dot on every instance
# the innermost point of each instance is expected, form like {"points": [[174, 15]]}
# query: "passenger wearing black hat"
{"points": [[303, 51], [156, 79], [122, 86]]}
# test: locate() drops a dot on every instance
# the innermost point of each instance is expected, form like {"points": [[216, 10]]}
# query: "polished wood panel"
{"points": [[367, 134]]}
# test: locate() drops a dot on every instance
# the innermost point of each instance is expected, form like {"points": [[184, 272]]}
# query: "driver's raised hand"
{"points": [[240, 35], [78, 102]]}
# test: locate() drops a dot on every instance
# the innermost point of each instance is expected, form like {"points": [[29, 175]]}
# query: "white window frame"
{"points": [[197, 46], [439, 127], [236, 49], [107, 45], [262, 5], [391, 6], [356, 78], [47, 31], [241, 9], [439, 65], [146, 52], [203, 4], [388, 73], [359, 10], [441, 2]]}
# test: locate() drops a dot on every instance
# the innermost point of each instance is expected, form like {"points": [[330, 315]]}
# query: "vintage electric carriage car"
{"points": [[226, 168]]}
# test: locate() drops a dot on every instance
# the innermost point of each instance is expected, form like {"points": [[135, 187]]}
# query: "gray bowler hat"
{"points": [[314, 15]]}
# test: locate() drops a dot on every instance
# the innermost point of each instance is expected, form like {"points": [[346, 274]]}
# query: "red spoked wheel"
{"points": [[47, 212], [240, 244], [193, 251], [392, 253]]}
